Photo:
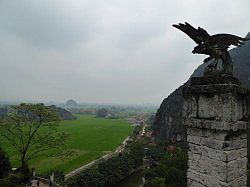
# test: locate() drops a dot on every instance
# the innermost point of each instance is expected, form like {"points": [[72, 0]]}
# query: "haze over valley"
{"points": [[115, 52]]}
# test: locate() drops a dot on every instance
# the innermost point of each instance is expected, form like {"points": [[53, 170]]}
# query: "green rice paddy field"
{"points": [[89, 139]]}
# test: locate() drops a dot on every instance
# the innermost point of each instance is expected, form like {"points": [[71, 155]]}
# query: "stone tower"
{"points": [[215, 114]]}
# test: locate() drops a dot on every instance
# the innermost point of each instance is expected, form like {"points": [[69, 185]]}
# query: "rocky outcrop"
{"points": [[167, 124], [168, 120]]}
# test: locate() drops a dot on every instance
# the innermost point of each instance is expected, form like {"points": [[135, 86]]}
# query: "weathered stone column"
{"points": [[215, 112]]}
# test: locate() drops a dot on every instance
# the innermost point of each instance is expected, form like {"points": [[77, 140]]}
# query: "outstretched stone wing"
{"points": [[225, 40], [198, 35]]}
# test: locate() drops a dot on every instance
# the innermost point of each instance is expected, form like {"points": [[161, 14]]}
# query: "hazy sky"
{"points": [[105, 51]]}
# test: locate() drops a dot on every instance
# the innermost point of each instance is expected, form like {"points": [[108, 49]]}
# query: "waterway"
{"points": [[134, 180]]}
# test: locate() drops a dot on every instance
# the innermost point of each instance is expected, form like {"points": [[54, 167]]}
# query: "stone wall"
{"points": [[215, 114]]}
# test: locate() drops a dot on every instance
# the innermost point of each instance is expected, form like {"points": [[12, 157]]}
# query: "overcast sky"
{"points": [[105, 51]]}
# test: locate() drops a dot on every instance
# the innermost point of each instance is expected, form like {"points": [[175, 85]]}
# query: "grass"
{"points": [[90, 138]]}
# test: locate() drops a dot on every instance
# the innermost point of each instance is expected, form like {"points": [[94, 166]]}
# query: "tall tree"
{"points": [[31, 130]]}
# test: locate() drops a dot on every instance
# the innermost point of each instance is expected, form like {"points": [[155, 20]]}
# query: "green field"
{"points": [[89, 139]]}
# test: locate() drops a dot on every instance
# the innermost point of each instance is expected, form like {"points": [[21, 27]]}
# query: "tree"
{"points": [[170, 171], [102, 113], [4, 163], [31, 130]]}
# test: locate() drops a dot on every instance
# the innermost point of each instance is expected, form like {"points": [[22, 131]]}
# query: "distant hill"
{"points": [[71, 103], [63, 113], [168, 120]]}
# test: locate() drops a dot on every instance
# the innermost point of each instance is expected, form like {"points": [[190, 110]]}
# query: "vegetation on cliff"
{"points": [[170, 171]]}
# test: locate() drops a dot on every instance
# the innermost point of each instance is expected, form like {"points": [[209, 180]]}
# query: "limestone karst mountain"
{"points": [[71, 103], [168, 120], [63, 113]]}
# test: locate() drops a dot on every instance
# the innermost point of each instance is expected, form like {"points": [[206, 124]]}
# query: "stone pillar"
{"points": [[215, 113]]}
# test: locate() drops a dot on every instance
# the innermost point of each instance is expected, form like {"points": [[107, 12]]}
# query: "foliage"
{"points": [[172, 168], [102, 113], [31, 130], [59, 176], [12, 180], [4, 163], [157, 151], [137, 130], [110, 171], [158, 182]]}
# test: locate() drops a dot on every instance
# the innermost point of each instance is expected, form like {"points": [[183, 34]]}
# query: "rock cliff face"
{"points": [[168, 120], [167, 124]]}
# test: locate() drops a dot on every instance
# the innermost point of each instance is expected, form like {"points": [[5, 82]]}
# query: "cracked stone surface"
{"points": [[215, 114]]}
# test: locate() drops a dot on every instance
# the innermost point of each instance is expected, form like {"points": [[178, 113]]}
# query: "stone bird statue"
{"points": [[216, 46]]}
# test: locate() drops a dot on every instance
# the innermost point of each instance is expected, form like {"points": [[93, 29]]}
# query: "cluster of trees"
{"points": [[113, 112], [170, 172], [111, 171], [31, 130], [102, 113]]}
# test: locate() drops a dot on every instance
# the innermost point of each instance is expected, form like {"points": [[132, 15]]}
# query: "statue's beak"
{"points": [[193, 52]]}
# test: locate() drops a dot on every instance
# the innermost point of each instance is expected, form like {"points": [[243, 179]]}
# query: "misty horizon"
{"points": [[83, 104], [112, 52]]}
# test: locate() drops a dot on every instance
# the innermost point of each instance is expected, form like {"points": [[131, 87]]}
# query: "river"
{"points": [[133, 180]]}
